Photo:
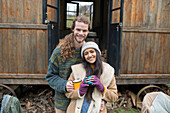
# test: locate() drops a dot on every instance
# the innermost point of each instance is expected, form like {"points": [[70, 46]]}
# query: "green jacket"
{"points": [[10, 104]]}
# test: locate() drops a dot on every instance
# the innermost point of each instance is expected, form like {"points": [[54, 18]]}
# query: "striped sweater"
{"points": [[57, 75]]}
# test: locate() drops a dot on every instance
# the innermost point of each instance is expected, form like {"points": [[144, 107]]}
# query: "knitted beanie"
{"points": [[89, 45]]}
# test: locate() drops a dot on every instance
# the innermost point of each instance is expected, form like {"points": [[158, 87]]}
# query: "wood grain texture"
{"points": [[146, 29], [0, 12], [1, 52], [21, 11]]}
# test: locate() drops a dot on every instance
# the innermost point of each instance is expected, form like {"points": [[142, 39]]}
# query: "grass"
{"points": [[168, 85]]}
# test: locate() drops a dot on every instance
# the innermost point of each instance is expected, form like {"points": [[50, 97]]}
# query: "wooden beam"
{"points": [[22, 26], [24, 81], [123, 79], [21, 76], [147, 30]]}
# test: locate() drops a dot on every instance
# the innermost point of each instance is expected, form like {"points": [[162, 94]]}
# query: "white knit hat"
{"points": [[89, 45]]}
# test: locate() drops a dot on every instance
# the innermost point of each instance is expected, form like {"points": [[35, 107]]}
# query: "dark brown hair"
{"points": [[98, 70]]}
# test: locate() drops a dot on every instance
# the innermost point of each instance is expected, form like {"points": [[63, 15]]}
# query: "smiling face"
{"points": [[90, 55], [80, 31]]}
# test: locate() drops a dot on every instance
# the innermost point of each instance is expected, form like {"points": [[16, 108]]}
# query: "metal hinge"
{"points": [[47, 21], [120, 24]]}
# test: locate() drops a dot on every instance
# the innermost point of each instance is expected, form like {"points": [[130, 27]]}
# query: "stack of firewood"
{"points": [[40, 102]]}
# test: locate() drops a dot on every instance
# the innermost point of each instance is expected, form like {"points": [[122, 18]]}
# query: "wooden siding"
{"points": [[23, 37], [146, 37], [21, 11], [23, 51]]}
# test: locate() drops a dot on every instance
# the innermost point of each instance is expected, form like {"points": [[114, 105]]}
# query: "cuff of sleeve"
{"points": [[103, 94], [80, 95], [65, 90]]}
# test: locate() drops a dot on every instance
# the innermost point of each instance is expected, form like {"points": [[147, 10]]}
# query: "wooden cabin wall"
{"points": [[146, 37], [23, 37]]}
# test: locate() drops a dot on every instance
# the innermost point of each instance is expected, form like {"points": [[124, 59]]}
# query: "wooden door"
{"points": [[51, 18], [115, 34]]}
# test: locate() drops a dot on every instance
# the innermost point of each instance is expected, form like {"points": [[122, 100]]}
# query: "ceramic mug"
{"points": [[89, 83], [76, 83]]}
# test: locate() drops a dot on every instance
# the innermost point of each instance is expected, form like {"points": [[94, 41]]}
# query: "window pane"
{"points": [[71, 7], [85, 8], [69, 23]]}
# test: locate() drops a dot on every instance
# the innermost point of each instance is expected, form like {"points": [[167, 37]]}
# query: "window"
{"points": [[75, 8]]}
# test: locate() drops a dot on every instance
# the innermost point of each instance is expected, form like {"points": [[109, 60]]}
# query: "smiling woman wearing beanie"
{"points": [[98, 82]]}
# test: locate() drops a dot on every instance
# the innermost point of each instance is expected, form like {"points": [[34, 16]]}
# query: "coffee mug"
{"points": [[89, 83], [76, 83]]}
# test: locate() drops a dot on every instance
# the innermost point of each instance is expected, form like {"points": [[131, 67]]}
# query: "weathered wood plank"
{"points": [[166, 54], [39, 11], [139, 13], [123, 79], [5, 50], [140, 81], [146, 30], [12, 11], [147, 60], [0, 12], [124, 54], [133, 17], [130, 54], [5, 11], [27, 11], [152, 13], [19, 12], [19, 76], [19, 50], [33, 51], [158, 14], [127, 13], [22, 26], [136, 49], [25, 51], [33, 11], [158, 66], [1, 51], [12, 50], [145, 5], [24, 81], [41, 52], [162, 39], [127, 51], [154, 53], [165, 14], [142, 53]]}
